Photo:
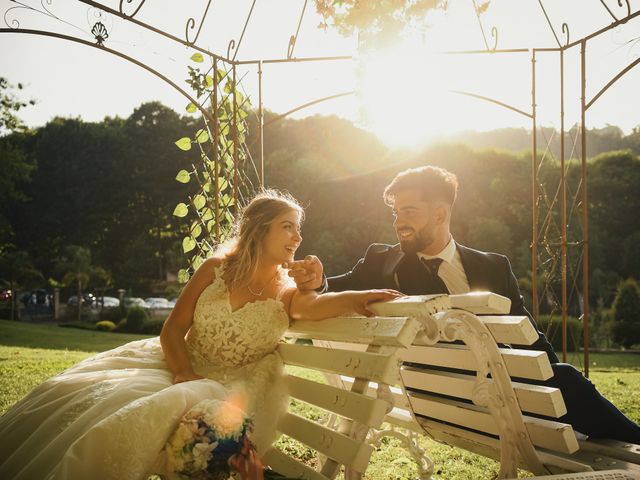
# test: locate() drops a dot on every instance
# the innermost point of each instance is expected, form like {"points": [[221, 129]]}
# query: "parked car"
{"points": [[135, 302], [107, 302], [157, 302], [88, 299]]}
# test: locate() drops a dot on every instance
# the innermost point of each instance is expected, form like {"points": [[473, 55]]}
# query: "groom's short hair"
{"points": [[434, 183]]}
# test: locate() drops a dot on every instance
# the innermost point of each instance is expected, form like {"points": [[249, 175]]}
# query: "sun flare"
{"points": [[402, 94]]}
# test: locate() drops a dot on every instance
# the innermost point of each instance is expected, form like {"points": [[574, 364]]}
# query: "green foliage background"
{"points": [[110, 187]]}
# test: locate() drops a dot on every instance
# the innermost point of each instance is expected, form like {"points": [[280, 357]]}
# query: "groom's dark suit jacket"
{"points": [[386, 266]]}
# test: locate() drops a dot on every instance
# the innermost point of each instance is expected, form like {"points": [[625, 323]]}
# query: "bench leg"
{"points": [[410, 442]]}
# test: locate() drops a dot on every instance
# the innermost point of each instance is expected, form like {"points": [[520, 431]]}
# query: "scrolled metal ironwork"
{"points": [[294, 38], [15, 23], [100, 33], [567, 35], [620, 4], [135, 12], [231, 47], [191, 24]]}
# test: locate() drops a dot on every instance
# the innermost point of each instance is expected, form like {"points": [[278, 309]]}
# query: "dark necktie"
{"points": [[433, 283]]}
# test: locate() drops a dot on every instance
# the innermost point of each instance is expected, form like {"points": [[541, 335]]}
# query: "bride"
{"points": [[111, 416]]}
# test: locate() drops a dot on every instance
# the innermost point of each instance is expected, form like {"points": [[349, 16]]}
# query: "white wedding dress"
{"points": [[110, 416]]}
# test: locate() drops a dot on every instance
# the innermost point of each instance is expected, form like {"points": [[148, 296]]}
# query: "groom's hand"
{"points": [[306, 273]]}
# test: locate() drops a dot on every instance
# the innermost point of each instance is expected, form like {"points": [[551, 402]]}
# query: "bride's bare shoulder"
{"points": [[209, 266]]}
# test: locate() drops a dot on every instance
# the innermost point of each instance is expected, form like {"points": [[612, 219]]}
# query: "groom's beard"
{"points": [[418, 242]]}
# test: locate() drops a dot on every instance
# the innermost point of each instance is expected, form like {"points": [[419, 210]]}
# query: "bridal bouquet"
{"points": [[206, 437]]}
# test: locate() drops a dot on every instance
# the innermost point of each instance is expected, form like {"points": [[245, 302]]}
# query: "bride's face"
{"points": [[283, 238]]}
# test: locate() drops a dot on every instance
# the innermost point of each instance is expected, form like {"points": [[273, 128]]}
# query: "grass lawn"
{"points": [[31, 353]]}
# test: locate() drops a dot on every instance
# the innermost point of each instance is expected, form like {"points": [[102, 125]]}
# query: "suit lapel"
{"points": [[390, 266], [471, 268]]}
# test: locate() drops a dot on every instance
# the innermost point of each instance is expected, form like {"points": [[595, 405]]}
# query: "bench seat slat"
{"points": [[359, 407], [543, 433], [374, 366], [389, 331], [289, 467], [531, 398], [530, 364], [335, 445]]}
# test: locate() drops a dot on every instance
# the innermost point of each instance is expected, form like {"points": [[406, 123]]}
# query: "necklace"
{"points": [[257, 294]]}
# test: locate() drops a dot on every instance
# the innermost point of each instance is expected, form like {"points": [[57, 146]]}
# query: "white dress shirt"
{"points": [[451, 270]]}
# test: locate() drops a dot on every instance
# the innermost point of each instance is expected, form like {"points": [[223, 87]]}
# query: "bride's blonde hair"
{"points": [[242, 253]]}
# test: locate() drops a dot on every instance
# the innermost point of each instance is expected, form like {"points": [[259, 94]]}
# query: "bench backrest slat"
{"points": [[341, 448], [530, 364], [378, 367], [362, 408], [389, 331], [543, 433], [536, 399]]}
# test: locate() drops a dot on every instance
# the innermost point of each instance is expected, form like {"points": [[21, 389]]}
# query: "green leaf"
{"points": [[183, 176], [199, 201], [197, 261], [197, 57], [188, 244], [209, 80], [196, 231], [202, 136], [206, 186], [211, 226], [191, 108], [181, 210], [183, 275], [222, 184], [184, 144], [207, 214]]}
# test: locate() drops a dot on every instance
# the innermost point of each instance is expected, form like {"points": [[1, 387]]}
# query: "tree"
{"points": [[626, 313], [16, 169], [17, 271], [76, 268]]}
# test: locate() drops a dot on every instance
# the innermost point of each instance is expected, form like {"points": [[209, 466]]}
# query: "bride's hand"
{"points": [[186, 377], [361, 300], [247, 463]]}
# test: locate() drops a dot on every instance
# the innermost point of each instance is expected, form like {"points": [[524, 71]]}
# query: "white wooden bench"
{"points": [[463, 394], [375, 360]]}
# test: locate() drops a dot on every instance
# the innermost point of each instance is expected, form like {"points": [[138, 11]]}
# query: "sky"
{"points": [[403, 94]]}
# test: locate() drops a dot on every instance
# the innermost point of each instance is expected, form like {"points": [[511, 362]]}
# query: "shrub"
{"points": [[136, 316], [153, 326], [106, 326], [552, 327], [626, 313], [115, 314]]}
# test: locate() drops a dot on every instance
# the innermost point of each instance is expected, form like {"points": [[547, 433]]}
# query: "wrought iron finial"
{"points": [[137, 9], [567, 35], [191, 24], [565, 26], [99, 31], [231, 47], [616, 19], [494, 30], [294, 38]]}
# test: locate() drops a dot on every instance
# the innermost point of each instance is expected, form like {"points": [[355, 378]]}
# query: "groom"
{"points": [[428, 260]]}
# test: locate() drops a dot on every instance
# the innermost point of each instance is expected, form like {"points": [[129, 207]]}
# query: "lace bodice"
{"points": [[221, 337]]}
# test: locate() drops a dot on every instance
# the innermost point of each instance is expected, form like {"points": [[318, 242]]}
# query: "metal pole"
{"points": [[261, 123], [236, 143], [563, 214], [535, 193], [585, 217], [216, 146]]}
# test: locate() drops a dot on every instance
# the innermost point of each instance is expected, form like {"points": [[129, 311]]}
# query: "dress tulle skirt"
{"points": [[110, 416]]}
